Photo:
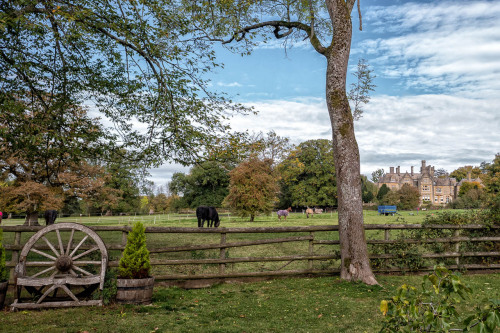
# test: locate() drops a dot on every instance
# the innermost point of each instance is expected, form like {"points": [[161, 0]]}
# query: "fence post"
{"points": [[311, 251], [457, 246], [124, 238], [15, 253], [222, 266]]}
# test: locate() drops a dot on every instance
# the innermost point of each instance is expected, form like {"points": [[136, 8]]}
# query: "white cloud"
{"points": [[164, 173], [447, 131], [231, 84], [452, 46], [300, 119]]}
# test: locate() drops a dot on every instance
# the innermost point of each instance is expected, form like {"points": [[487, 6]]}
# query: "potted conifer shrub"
{"points": [[4, 273], [134, 284]]}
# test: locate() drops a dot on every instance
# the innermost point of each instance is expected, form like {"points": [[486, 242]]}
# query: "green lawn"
{"points": [[284, 305], [183, 220]]}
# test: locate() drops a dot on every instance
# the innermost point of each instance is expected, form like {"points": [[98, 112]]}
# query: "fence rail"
{"points": [[311, 250]]}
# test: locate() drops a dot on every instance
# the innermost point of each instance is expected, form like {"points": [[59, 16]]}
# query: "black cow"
{"points": [[209, 214], [50, 216]]}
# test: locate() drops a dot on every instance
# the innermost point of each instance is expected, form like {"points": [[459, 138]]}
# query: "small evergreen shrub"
{"points": [[134, 263], [4, 272]]}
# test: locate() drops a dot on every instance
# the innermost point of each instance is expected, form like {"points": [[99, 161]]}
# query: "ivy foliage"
{"points": [[4, 272], [134, 263], [433, 308]]}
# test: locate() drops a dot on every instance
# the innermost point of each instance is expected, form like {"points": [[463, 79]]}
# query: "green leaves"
{"points": [[4, 271], [485, 319], [433, 308], [138, 63], [308, 175], [359, 93]]}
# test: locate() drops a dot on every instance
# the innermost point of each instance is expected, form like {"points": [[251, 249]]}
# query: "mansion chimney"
{"points": [[397, 169], [423, 167], [391, 170], [412, 170]]}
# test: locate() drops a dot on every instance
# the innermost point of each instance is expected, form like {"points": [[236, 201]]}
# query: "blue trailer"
{"points": [[386, 210]]}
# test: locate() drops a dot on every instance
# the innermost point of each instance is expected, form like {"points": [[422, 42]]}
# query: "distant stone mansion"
{"points": [[432, 189]]}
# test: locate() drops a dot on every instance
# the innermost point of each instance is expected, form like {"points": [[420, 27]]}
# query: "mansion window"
{"points": [[425, 187], [438, 190]]}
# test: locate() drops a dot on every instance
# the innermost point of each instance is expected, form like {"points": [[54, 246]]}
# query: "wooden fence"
{"points": [[181, 254]]}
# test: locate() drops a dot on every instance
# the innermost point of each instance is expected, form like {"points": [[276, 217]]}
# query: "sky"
{"points": [[437, 67]]}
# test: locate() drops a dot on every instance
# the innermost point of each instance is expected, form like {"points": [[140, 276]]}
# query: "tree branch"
{"points": [[240, 34], [360, 18]]}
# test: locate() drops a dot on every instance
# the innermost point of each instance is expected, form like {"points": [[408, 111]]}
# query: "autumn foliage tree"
{"points": [[45, 154], [252, 188]]}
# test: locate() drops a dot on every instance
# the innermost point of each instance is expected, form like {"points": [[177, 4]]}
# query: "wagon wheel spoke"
{"points": [[78, 246], [46, 293], [44, 254], [61, 247], [72, 272], [81, 270], [86, 262], [51, 246], [70, 294], [44, 271], [70, 241], [95, 248]]}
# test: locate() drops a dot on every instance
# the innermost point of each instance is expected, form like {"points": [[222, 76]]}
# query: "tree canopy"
{"points": [[462, 172], [206, 184], [252, 188], [45, 155], [134, 62], [308, 175]]}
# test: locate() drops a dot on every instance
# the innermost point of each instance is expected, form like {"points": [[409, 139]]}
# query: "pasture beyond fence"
{"points": [[180, 255]]}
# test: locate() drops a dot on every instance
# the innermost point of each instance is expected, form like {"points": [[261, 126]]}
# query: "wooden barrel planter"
{"points": [[3, 292], [134, 291]]}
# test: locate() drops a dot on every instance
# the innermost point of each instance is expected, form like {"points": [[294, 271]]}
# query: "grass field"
{"points": [[183, 220], [284, 305]]}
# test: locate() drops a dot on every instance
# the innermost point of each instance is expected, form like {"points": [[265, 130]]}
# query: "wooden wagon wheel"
{"points": [[67, 257]]}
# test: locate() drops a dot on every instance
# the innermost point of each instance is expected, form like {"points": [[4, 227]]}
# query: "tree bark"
{"points": [[355, 265], [31, 219]]}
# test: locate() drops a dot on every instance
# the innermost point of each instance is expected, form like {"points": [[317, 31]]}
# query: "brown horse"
{"points": [[284, 213]]}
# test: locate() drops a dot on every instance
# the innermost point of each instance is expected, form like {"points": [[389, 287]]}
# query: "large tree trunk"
{"points": [[31, 219], [355, 264]]}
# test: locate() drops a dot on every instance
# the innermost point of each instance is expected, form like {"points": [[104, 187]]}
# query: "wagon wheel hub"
{"points": [[64, 263]]}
